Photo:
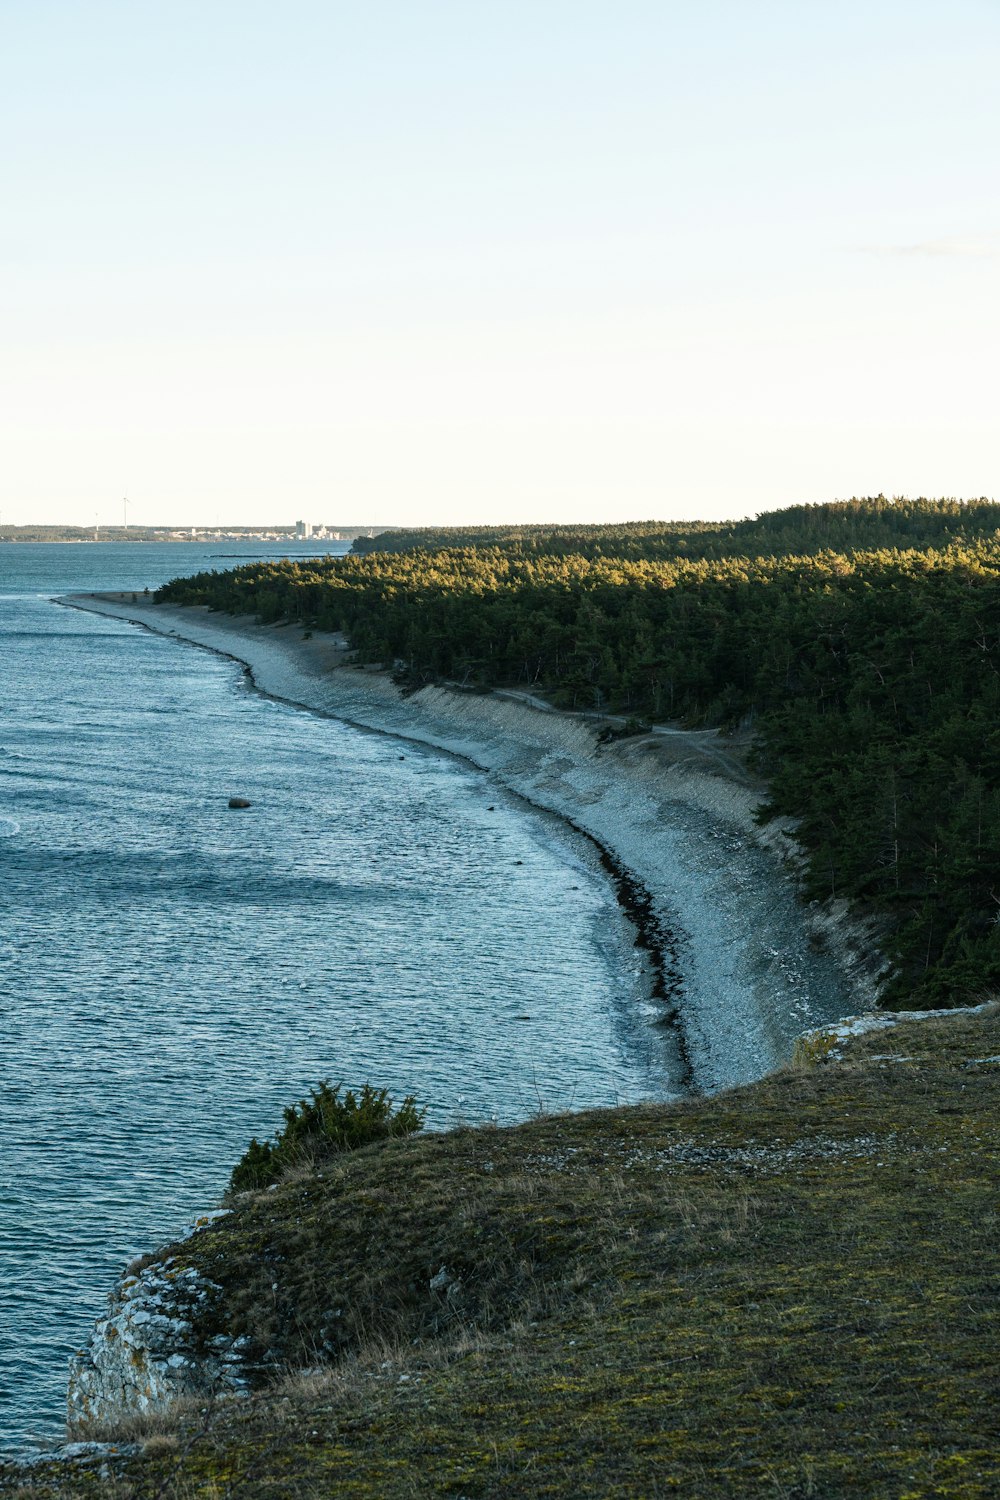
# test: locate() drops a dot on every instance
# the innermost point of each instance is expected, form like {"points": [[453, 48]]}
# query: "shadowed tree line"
{"points": [[844, 526], [869, 673]]}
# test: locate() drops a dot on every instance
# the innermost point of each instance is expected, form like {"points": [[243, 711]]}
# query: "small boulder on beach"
{"points": [[238, 802]]}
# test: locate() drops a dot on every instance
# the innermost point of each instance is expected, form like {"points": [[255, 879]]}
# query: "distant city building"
{"points": [[303, 529]]}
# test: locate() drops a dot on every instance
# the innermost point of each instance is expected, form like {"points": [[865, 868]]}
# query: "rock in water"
{"points": [[238, 802]]}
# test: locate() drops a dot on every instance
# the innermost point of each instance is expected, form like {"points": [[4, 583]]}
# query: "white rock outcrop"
{"points": [[144, 1354]]}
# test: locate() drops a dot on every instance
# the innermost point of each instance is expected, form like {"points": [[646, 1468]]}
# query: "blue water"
{"points": [[172, 973]]}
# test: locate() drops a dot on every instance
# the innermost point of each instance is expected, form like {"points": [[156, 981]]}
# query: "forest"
{"points": [[860, 642], [844, 526]]}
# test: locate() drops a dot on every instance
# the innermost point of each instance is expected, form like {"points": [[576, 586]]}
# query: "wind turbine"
{"points": [[125, 510]]}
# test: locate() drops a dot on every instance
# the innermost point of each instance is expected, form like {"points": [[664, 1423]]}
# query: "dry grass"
{"points": [[788, 1290]]}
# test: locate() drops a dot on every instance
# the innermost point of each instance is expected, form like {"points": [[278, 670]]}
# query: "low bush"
{"points": [[326, 1122]]}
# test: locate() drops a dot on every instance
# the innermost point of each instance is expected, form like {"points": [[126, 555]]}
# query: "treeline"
{"points": [[844, 526], [82, 533], [872, 679]]}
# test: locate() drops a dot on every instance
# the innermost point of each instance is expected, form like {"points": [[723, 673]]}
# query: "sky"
{"points": [[453, 261]]}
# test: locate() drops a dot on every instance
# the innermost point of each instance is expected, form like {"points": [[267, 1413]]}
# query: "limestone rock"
{"points": [[143, 1354]]}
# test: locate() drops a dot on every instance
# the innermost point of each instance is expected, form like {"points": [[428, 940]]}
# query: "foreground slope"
{"points": [[789, 1289]]}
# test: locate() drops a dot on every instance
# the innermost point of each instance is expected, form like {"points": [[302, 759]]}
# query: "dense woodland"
{"points": [[844, 526], [862, 646]]}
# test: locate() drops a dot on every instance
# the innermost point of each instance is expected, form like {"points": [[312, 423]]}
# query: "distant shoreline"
{"points": [[308, 544], [674, 812]]}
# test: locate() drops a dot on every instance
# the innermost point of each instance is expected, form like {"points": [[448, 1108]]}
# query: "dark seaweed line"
{"points": [[651, 936], [654, 939]]}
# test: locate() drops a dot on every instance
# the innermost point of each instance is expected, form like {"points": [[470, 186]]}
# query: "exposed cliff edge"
{"points": [[147, 1352], [158, 1343], [791, 1279]]}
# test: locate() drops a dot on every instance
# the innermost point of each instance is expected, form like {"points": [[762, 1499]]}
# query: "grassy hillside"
{"points": [[788, 1290]]}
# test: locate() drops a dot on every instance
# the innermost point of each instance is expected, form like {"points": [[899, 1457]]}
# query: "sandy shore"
{"points": [[676, 809]]}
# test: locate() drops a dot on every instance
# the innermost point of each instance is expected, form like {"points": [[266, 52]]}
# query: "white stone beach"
{"points": [[754, 967]]}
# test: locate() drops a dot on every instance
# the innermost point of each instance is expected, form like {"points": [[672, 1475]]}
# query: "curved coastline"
{"points": [[743, 968], [661, 980]]}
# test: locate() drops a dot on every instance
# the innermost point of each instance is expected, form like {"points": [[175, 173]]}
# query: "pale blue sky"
{"points": [[392, 262]]}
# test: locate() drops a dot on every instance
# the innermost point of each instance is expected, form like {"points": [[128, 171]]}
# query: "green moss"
{"points": [[785, 1290]]}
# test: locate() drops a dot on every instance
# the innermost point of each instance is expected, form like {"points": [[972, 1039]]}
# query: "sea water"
{"points": [[172, 973]]}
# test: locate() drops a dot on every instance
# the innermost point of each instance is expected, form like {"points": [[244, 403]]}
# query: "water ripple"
{"points": [[172, 973]]}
